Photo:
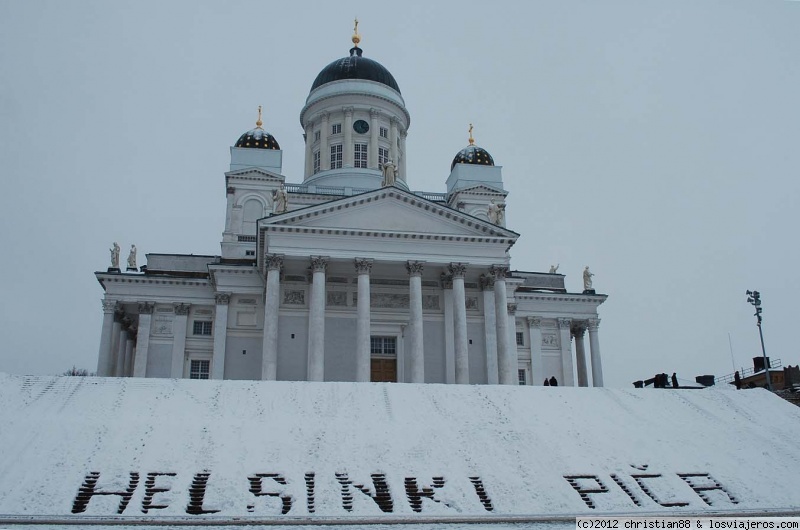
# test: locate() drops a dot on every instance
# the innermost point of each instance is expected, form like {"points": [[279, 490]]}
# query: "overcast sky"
{"points": [[657, 142]]}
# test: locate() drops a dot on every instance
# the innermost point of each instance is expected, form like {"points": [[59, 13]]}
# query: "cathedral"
{"points": [[347, 274]]}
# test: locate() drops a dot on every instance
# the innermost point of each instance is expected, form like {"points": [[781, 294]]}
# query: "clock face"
{"points": [[361, 127]]}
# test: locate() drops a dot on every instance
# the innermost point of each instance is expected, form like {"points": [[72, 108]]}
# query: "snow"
{"points": [[520, 441]]}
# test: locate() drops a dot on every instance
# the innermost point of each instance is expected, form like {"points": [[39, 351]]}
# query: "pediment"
{"points": [[256, 172], [389, 210], [482, 189]]}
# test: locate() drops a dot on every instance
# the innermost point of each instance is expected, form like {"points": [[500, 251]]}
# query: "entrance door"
{"points": [[383, 366], [383, 370]]}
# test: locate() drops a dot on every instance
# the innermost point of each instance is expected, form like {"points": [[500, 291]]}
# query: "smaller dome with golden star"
{"points": [[472, 154], [257, 138]]}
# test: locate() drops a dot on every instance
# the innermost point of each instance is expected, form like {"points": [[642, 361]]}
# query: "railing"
{"points": [[435, 197], [747, 372], [345, 191]]}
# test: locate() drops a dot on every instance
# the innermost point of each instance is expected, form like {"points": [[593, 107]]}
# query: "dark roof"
{"points": [[257, 138], [355, 67], [472, 154]]}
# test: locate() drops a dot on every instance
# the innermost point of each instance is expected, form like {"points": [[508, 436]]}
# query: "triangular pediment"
{"points": [[389, 210], [482, 189], [256, 172]]}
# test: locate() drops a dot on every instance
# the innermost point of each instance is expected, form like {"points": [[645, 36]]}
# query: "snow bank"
{"points": [[74, 446]]}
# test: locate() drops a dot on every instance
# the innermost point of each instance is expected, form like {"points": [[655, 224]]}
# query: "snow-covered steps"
{"points": [[73, 447]]}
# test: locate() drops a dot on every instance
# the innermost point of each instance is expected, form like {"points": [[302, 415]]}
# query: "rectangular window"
{"points": [[384, 132], [360, 155], [383, 345], [199, 369], [317, 135], [383, 155], [520, 339], [336, 128], [521, 376], [336, 156], [316, 162], [202, 327]]}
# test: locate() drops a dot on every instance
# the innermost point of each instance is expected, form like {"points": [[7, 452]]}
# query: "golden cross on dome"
{"points": [[356, 37], [471, 139], [259, 123]]}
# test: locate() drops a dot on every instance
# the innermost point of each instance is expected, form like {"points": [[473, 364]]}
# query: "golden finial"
{"points": [[471, 139], [259, 123], [356, 37]]}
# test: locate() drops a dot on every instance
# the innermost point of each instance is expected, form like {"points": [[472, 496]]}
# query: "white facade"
{"points": [[356, 280]]}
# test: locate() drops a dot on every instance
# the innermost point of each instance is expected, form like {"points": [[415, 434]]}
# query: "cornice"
{"points": [[153, 281], [385, 235], [563, 297], [308, 106]]}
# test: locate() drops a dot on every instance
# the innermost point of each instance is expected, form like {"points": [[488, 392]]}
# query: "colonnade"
{"points": [[122, 355], [502, 355], [569, 329]]}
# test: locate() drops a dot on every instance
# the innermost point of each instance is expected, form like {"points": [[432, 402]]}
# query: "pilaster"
{"points": [[179, 339], [537, 365]]}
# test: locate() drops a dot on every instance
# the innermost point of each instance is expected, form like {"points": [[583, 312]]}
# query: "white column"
{"points": [[104, 360], [417, 356], [374, 129], [128, 355], [272, 300], [490, 329], [220, 331], [513, 357], [578, 331], [324, 150], [594, 347], [348, 137], [537, 366], [316, 320], [449, 332], [363, 358], [458, 270], [402, 166], [119, 368], [564, 325], [507, 374], [142, 339], [309, 169], [393, 139], [179, 339]]}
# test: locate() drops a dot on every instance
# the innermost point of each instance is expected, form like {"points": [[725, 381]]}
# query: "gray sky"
{"points": [[656, 142]]}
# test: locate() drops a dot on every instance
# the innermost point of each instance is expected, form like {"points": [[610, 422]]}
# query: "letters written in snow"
{"points": [[270, 491]]}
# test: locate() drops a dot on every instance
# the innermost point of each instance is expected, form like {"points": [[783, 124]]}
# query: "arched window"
{"points": [[253, 210]]}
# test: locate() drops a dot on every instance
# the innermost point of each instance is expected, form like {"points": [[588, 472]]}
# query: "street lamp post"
{"points": [[754, 298]]}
